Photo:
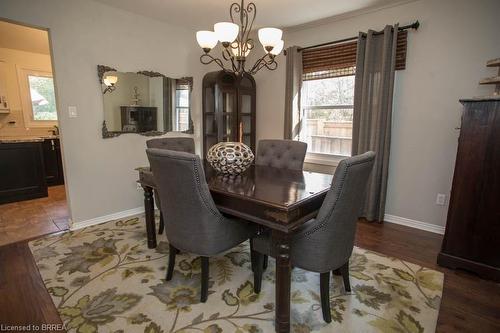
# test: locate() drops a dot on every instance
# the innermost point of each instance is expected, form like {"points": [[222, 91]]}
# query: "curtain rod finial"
{"points": [[416, 25]]}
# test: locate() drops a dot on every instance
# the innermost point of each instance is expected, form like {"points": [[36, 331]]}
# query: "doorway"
{"points": [[32, 191]]}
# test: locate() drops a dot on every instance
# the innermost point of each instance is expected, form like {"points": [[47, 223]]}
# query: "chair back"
{"points": [[175, 143], [194, 223], [328, 241], [283, 154]]}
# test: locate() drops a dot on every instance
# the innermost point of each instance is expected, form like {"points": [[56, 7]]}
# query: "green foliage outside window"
{"points": [[43, 99]]}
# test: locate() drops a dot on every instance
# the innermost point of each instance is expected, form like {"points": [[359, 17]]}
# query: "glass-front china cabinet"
{"points": [[228, 109]]}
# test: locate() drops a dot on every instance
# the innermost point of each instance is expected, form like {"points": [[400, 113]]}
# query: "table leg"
{"points": [[281, 243], [149, 208]]}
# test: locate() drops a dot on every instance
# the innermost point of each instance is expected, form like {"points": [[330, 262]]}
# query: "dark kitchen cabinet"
{"points": [[471, 240], [228, 109], [22, 174], [52, 159]]}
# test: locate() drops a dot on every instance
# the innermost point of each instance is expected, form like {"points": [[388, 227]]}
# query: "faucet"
{"points": [[55, 130]]}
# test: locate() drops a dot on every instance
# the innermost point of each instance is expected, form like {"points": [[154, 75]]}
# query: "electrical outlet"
{"points": [[440, 199]]}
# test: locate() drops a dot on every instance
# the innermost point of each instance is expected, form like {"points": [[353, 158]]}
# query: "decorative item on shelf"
{"points": [[495, 79], [237, 44], [4, 106], [136, 99], [230, 158]]}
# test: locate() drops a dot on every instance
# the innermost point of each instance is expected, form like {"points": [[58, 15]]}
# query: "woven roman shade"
{"points": [[340, 59]]}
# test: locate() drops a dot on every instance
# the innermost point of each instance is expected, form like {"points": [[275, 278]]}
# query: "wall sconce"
{"points": [[110, 82]]}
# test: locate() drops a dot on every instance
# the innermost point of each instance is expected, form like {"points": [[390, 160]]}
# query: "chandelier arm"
{"points": [[211, 60], [258, 63], [251, 9], [272, 65], [255, 69], [229, 57], [225, 55], [243, 24], [255, 66], [236, 8], [269, 63], [233, 64]]}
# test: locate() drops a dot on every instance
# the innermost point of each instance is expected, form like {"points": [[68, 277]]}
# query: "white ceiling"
{"points": [[19, 37], [202, 14]]}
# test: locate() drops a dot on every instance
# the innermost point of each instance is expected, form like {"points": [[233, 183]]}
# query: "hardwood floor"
{"points": [[32, 218], [469, 304]]}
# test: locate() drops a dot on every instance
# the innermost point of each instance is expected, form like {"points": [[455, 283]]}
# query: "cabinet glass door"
{"points": [[246, 120], [228, 116]]}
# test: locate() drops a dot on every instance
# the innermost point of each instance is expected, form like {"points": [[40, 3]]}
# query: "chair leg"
{"points": [[265, 262], [324, 280], [252, 255], [344, 270], [162, 224], [171, 262], [204, 279], [258, 269]]}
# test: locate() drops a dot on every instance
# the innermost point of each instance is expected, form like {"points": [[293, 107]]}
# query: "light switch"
{"points": [[72, 112]]}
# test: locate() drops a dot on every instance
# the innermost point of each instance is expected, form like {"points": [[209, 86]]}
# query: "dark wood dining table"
{"points": [[278, 199]]}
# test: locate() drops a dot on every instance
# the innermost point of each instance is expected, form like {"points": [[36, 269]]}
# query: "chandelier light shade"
{"points": [[236, 43], [206, 39], [226, 32], [277, 48], [269, 37]]}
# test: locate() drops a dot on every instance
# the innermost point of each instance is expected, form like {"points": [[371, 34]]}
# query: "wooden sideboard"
{"points": [[472, 237]]}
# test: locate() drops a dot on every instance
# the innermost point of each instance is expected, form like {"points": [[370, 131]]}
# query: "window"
{"points": [[43, 99], [37, 97], [181, 121], [327, 109]]}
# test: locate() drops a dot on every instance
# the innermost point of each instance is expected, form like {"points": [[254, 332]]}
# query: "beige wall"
{"points": [[13, 59], [446, 59], [100, 174]]}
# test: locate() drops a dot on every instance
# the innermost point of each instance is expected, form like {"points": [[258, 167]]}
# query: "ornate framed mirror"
{"points": [[146, 103]]}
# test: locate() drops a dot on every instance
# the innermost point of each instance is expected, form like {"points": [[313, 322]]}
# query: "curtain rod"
{"points": [[414, 25]]}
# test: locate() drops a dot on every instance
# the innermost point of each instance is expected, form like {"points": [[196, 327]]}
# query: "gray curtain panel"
{"points": [[292, 93], [373, 95]]}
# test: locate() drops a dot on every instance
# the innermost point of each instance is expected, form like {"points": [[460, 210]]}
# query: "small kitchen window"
{"points": [[38, 98]]}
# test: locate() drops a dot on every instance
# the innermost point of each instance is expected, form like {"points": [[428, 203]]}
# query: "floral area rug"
{"points": [[104, 278]]}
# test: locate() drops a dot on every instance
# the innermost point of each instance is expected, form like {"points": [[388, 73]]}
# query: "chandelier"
{"points": [[237, 44]]}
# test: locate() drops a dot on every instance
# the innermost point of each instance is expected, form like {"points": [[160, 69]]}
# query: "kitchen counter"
{"points": [[17, 139]]}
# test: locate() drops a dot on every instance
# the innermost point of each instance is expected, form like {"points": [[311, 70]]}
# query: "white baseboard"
{"points": [[139, 210], [107, 218], [437, 229]]}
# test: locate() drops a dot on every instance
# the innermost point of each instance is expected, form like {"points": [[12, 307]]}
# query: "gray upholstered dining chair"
{"points": [[284, 154], [194, 223], [184, 144], [325, 243]]}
